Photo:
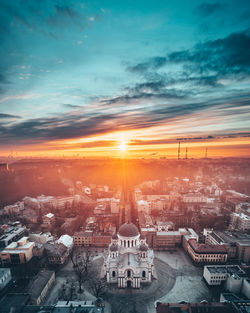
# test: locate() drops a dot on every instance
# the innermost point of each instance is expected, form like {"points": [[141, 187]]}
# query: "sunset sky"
{"points": [[124, 78]]}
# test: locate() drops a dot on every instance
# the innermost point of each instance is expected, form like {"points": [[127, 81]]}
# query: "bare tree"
{"points": [[81, 262], [74, 256], [98, 286]]}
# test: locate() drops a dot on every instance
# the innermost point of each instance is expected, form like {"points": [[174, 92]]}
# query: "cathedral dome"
{"points": [[128, 230]]}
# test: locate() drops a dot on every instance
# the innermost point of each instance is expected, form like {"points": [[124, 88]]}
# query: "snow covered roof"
{"points": [[66, 240], [50, 215]]}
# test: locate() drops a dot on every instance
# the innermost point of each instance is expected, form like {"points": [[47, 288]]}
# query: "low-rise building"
{"points": [[214, 275], [5, 277], [194, 198], [240, 221], [12, 234], [236, 243], [41, 238], [162, 240], [56, 253], [246, 288], [101, 240], [204, 253], [48, 219], [40, 286], [83, 239], [14, 209], [18, 252]]}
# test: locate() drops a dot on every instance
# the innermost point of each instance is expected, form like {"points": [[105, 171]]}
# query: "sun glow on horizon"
{"points": [[123, 146]]}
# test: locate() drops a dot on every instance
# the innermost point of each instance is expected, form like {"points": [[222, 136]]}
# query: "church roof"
{"points": [[143, 248], [113, 247], [128, 230]]}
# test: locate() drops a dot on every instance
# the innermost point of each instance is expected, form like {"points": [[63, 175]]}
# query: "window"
{"points": [[129, 273], [113, 273], [143, 274]]}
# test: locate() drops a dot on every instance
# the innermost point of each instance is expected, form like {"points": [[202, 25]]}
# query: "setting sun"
{"points": [[122, 146]]}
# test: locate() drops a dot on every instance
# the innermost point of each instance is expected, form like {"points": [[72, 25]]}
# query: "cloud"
{"points": [[7, 116], [203, 65], [206, 9], [153, 63], [225, 57], [72, 106]]}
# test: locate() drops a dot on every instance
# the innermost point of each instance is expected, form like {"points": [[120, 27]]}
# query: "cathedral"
{"points": [[129, 261]]}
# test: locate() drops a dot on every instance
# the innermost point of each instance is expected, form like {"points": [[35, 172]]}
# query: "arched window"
{"points": [[143, 274], [128, 243], [113, 273], [129, 273]]}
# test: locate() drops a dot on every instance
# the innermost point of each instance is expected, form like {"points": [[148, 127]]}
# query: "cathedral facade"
{"points": [[129, 261]]}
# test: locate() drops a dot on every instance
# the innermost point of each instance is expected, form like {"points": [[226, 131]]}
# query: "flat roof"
{"points": [[229, 269], [231, 237]]}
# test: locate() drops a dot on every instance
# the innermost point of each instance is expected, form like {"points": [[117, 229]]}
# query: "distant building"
{"points": [[12, 234], [101, 240], [100, 209], [40, 286], [115, 206], [240, 221], [67, 241], [5, 277], [48, 219], [4, 167], [14, 209], [56, 253], [18, 252], [194, 198], [41, 238], [83, 239], [236, 243], [163, 240]]}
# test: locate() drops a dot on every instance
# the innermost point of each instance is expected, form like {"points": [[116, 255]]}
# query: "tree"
{"points": [[98, 286], [81, 263]]}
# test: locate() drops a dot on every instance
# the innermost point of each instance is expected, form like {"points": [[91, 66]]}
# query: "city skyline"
{"points": [[129, 79]]}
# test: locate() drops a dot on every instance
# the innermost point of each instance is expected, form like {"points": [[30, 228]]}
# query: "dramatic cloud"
{"points": [[7, 116], [67, 74]]}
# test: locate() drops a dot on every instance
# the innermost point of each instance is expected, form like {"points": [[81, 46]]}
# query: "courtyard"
{"points": [[178, 279]]}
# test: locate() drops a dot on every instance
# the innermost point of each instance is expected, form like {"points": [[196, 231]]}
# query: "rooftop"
{"points": [[204, 248], [230, 269], [39, 282], [128, 230]]}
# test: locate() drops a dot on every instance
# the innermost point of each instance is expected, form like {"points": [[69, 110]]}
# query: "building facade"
{"points": [[129, 261]]}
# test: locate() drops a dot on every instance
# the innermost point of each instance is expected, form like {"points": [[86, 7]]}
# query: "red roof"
{"points": [[204, 248]]}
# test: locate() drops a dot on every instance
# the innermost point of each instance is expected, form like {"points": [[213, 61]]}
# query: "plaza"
{"points": [[177, 280]]}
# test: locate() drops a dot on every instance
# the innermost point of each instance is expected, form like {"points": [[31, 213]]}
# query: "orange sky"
{"points": [[124, 144]]}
